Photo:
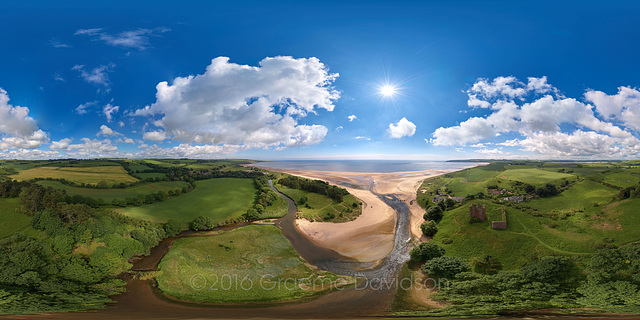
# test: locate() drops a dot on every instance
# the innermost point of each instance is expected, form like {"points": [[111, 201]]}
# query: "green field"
{"points": [[320, 206], [250, 264], [12, 220], [91, 175], [117, 193], [220, 199], [575, 222], [147, 175]]}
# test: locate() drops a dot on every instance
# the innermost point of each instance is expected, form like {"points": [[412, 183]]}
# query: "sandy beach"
{"points": [[368, 238]]}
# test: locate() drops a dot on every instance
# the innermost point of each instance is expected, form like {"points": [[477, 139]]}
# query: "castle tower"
{"points": [[478, 211]]}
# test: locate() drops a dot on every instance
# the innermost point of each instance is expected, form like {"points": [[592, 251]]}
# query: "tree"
{"points": [[433, 213], [172, 227], [426, 251], [302, 200], [442, 205], [445, 267], [449, 203], [486, 265], [429, 228], [202, 223]]}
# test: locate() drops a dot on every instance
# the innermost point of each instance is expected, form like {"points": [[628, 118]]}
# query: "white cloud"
{"points": [[362, 138], [98, 75], [62, 144], [136, 39], [403, 128], [19, 129], [126, 140], [106, 131], [338, 128], [542, 120], [82, 109], [143, 146], [92, 148], [241, 106], [121, 124], [352, 117], [109, 110], [57, 44], [623, 107], [489, 151], [155, 136]]}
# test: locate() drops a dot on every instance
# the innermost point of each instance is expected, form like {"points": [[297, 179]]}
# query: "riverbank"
{"points": [[370, 237]]}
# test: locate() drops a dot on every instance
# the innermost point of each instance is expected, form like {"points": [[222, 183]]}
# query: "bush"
{"points": [[445, 267], [429, 228], [433, 213], [426, 251], [202, 223]]}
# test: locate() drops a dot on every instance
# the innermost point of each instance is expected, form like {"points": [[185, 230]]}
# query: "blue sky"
{"points": [[473, 79]]}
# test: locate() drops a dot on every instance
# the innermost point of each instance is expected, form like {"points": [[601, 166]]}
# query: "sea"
{"points": [[370, 166]]}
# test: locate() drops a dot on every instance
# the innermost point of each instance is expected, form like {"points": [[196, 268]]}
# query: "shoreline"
{"points": [[370, 237]]}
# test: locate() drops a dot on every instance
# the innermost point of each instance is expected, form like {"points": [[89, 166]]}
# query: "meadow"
{"points": [[112, 174], [221, 199], [250, 264], [319, 207], [116, 193], [575, 222]]}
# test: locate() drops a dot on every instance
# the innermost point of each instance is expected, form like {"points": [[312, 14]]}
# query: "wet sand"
{"points": [[370, 236]]}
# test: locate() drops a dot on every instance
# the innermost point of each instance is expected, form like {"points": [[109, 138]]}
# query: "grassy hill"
{"points": [[584, 216], [12, 220], [220, 199]]}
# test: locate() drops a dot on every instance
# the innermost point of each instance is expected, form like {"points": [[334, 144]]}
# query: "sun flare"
{"points": [[388, 90]]}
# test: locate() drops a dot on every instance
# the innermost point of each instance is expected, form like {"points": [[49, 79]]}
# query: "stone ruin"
{"points": [[500, 224], [478, 211]]}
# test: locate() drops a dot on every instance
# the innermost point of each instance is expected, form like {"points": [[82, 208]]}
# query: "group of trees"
{"points": [[73, 264], [433, 215], [608, 280], [316, 186], [264, 198]]}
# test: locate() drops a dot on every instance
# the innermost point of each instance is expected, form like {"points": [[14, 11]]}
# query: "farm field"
{"points": [[220, 199], [90, 175], [147, 175], [249, 264], [116, 193], [320, 206]]}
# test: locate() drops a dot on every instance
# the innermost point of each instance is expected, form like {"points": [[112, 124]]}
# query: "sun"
{"points": [[387, 90]]}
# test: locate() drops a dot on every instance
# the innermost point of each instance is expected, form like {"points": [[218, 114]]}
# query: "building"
{"points": [[500, 224], [478, 211]]}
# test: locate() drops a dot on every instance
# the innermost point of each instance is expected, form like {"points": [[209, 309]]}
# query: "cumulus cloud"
{"points": [[339, 128], [155, 136], [106, 131], [538, 112], [98, 75], [82, 109], [352, 117], [403, 128], [125, 140], [623, 107], [245, 107], [109, 110], [18, 129], [133, 39], [62, 144], [489, 151]]}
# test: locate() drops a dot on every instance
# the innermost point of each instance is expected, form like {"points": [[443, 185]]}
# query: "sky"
{"points": [[428, 80]]}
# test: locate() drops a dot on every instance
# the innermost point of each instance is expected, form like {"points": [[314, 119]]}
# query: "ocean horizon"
{"points": [[379, 166]]}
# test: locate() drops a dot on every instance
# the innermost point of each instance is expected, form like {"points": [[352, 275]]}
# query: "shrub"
{"points": [[429, 228], [445, 267], [426, 251]]}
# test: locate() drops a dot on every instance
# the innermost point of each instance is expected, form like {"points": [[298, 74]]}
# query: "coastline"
{"points": [[368, 238]]}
